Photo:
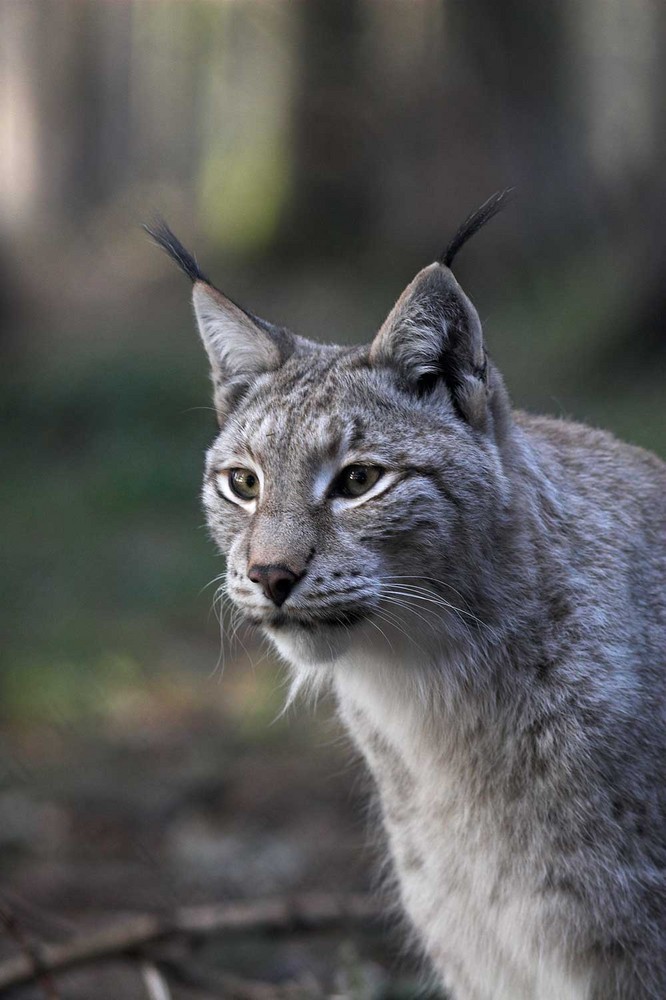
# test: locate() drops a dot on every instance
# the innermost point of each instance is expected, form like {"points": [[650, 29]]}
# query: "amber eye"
{"points": [[356, 480], [244, 483]]}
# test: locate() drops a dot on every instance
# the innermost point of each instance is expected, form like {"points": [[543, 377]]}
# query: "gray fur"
{"points": [[493, 624]]}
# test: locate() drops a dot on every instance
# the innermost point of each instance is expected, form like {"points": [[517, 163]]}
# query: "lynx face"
{"points": [[329, 489], [355, 492]]}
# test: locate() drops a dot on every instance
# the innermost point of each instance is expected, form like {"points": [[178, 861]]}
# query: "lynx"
{"points": [[483, 592]]}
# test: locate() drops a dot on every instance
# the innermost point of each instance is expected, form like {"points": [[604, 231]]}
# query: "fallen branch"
{"points": [[31, 952], [314, 912]]}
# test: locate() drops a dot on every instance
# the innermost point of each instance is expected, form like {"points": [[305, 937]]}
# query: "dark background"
{"points": [[315, 155]]}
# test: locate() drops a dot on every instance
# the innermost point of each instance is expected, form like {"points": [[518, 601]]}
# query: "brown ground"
{"points": [[182, 789]]}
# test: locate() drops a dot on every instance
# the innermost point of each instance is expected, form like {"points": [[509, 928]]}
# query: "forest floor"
{"points": [[185, 789]]}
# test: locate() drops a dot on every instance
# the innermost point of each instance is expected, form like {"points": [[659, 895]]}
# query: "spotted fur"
{"points": [[493, 624]]}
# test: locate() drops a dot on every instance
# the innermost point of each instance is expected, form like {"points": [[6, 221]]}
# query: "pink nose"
{"points": [[277, 582]]}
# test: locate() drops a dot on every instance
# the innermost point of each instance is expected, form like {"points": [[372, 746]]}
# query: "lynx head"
{"points": [[355, 492]]}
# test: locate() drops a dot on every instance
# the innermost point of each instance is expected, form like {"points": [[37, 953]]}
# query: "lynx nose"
{"points": [[277, 582]]}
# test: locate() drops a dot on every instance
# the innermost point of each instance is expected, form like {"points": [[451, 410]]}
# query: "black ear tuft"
{"points": [[162, 236], [474, 222]]}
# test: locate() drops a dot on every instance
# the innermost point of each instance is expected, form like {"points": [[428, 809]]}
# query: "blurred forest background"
{"points": [[315, 155]]}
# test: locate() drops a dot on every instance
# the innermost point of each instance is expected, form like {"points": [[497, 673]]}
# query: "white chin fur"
{"points": [[302, 648]]}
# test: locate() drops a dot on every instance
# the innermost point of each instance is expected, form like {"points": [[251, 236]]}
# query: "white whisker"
{"points": [[407, 591]]}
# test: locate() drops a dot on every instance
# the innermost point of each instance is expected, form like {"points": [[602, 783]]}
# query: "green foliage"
{"points": [[62, 692], [104, 548]]}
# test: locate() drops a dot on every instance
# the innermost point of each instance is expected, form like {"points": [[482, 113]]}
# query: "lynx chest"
{"points": [[470, 880]]}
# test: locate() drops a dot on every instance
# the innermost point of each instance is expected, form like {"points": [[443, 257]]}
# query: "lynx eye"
{"points": [[356, 480], [244, 483]]}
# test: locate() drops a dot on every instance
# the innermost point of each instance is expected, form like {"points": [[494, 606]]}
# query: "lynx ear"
{"points": [[433, 333], [239, 347]]}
